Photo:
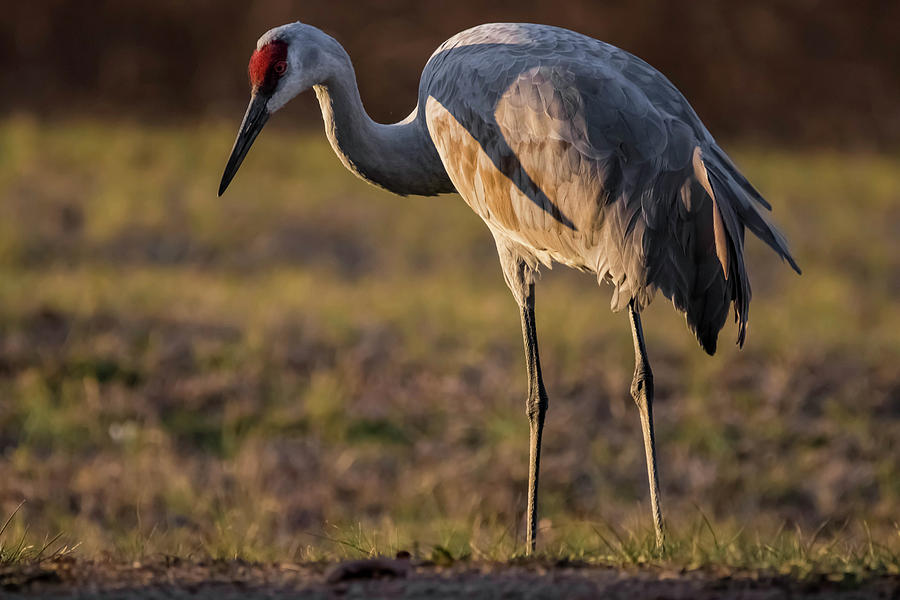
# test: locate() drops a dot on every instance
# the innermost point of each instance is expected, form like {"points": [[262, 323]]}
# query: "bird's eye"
{"points": [[280, 67]]}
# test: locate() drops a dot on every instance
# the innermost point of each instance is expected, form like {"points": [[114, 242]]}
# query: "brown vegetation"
{"points": [[301, 366]]}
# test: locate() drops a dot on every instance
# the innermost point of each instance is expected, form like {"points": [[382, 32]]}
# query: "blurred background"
{"points": [[309, 360], [814, 72]]}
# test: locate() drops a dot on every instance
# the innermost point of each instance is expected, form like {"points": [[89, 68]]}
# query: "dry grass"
{"points": [[309, 367]]}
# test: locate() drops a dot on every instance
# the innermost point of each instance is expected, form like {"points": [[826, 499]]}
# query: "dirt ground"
{"points": [[402, 578]]}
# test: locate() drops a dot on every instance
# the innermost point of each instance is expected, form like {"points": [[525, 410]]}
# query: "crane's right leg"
{"points": [[642, 392], [520, 279]]}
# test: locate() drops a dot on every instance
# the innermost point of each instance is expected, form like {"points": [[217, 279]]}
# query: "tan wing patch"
{"points": [[484, 188], [718, 225]]}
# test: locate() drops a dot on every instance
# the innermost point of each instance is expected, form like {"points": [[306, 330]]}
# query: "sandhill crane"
{"points": [[570, 150]]}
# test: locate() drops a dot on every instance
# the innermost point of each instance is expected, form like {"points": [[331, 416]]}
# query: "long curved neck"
{"points": [[400, 157]]}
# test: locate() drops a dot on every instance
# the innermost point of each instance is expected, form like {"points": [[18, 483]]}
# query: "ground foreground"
{"points": [[310, 369], [403, 578]]}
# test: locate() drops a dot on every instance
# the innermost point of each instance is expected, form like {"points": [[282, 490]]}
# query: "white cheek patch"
{"points": [[294, 82]]}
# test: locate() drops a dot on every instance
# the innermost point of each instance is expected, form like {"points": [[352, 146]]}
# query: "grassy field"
{"points": [[312, 368]]}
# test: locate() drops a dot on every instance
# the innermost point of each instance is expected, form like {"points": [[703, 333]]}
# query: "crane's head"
{"points": [[288, 60]]}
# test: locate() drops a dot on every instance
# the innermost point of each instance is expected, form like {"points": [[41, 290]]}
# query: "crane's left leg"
{"points": [[536, 409], [642, 392]]}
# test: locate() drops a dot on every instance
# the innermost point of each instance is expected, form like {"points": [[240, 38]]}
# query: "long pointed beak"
{"points": [[254, 120]]}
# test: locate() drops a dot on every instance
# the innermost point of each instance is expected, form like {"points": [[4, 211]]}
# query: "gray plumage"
{"points": [[614, 172], [572, 151]]}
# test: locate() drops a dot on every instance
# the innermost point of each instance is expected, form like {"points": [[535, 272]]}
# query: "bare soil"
{"points": [[402, 578]]}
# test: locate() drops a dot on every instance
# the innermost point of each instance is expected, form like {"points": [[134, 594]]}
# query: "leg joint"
{"points": [[536, 405], [642, 384]]}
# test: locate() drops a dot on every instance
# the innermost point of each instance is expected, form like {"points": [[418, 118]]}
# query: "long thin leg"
{"points": [[536, 409], [519, 276], [642, 392]]}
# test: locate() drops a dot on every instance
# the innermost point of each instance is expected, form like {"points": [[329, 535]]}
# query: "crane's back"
{"points": [[575, 151]]}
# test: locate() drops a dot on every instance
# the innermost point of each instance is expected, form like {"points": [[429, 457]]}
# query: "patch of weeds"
{"points": [[16, 546], [358, 541], [794, 553], [442, 557]]}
